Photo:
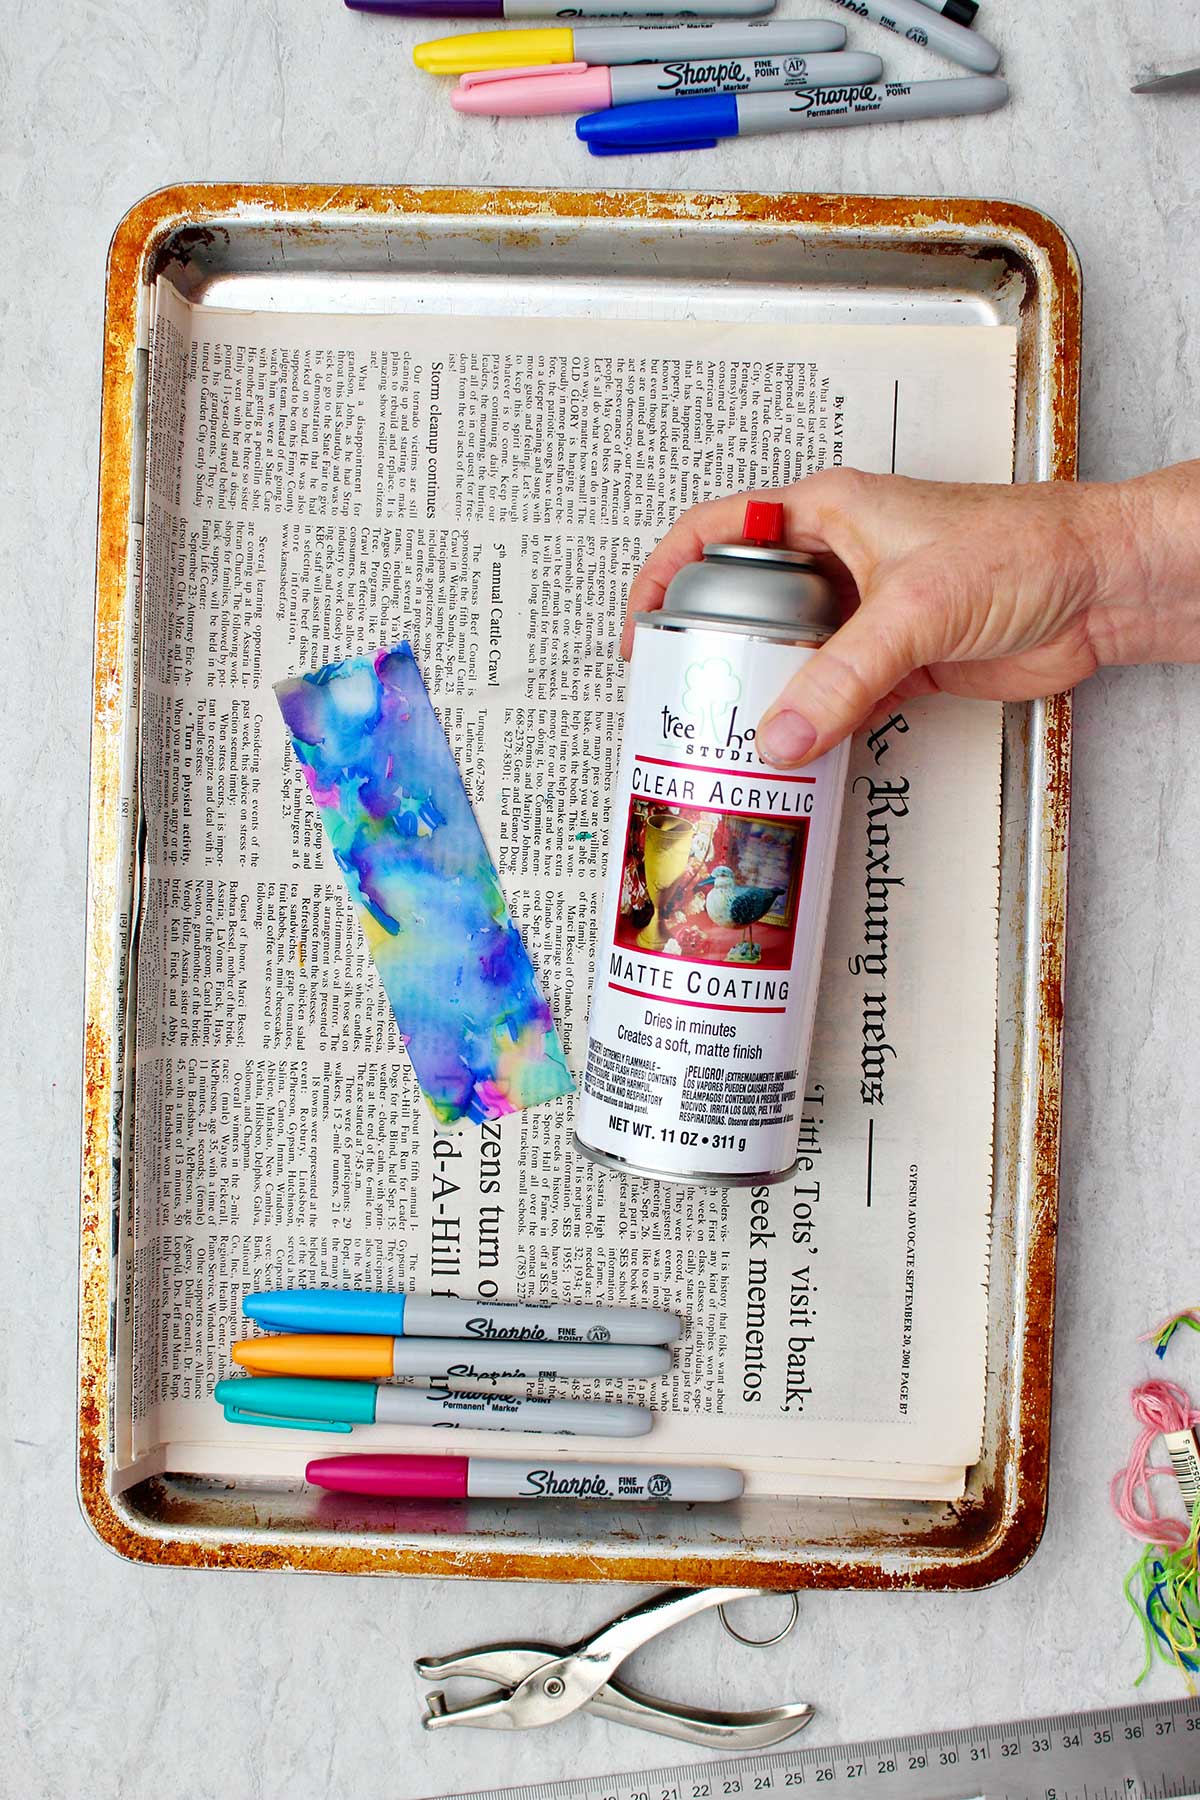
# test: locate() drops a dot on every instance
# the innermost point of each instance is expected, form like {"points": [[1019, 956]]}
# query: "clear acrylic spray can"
{"points": [[717, 895]]}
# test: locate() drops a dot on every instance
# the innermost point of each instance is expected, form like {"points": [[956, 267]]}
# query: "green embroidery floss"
{"points": [[1161, 1589], [1161, 1334]]}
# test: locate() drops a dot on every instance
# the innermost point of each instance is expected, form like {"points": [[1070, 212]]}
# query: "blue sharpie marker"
{"points": [[437, 1316], [700, 123]]}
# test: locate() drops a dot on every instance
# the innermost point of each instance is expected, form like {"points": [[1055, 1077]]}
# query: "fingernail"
{"points": [[785, 738]]}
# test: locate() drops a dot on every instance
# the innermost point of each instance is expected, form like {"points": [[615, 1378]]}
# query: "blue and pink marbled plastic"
{"points": [[474, 1021]]}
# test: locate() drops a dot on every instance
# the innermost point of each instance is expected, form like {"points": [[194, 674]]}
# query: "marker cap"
{"points": [[495, 50], [694, 124], [407, 1477], [315, 1354], [312, 1405], [327, 1309], [961, 11], [525, 93]]}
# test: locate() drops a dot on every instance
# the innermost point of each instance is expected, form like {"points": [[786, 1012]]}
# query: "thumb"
{"points": [[840, 686]]}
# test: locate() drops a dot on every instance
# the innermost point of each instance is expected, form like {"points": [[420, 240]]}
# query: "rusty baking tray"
{"points": [[808, 257]]}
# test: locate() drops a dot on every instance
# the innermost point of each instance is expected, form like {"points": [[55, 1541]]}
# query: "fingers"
{"points": [[875, 653], [715, 522], [816, 515]]}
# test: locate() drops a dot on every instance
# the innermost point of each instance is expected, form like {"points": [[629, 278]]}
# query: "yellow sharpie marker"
{"points": [[601, 44]]}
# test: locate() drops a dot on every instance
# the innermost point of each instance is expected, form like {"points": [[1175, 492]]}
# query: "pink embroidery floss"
{"points": [[1159, 1406], [1162, 1585]]}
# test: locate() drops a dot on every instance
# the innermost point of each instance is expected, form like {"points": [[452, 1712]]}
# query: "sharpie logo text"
{"points": [[594, 1485], [577, 1487], [689, 74], [521, 1334], [831, 96], [466, 1371]]}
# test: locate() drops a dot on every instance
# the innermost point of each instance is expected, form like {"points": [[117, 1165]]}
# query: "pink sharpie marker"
{"points": [[506, 1478], [578, 87]]}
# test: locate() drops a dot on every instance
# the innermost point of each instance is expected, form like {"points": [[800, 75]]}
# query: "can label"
{"points": [[714, 915]]}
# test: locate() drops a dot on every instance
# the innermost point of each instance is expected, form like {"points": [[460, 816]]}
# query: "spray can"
{"points": [[719, 874]]}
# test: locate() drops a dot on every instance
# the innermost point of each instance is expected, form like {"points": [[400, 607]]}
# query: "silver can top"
{"points": [[755, 586]]}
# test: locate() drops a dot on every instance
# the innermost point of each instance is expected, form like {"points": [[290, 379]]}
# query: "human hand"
{"points": [[1000, 593]]}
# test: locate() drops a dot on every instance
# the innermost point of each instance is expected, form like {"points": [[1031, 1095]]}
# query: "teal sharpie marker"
{"points": [[700, 123], [297, 1403]]}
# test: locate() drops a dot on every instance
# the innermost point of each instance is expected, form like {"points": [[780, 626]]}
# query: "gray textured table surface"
{"points": [[124, 1681]]}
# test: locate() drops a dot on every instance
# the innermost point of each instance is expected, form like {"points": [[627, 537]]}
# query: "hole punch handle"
{"points": [[655, 1615], [582, 1670], [697, 1724]]}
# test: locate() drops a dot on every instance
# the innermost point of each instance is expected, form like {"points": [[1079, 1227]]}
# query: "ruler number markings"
{"points": [[1081, 1756]]}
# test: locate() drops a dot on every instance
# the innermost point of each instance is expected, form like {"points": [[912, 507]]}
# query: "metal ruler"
{"points": [[1144, 1752]]}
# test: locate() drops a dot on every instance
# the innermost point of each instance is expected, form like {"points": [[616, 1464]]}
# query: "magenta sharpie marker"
{"points": [[496, 1478], [555, 9]]}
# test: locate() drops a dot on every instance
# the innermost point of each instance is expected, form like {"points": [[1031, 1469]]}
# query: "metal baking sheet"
{"points": [[816, 258]]}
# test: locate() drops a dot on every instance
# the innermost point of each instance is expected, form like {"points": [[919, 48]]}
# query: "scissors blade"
{"points": [[1185, 81]]}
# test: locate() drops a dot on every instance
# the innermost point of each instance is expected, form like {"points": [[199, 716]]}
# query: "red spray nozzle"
{"points": [[763, 523]]}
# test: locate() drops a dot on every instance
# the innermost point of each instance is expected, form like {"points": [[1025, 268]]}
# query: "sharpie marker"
{"points": [[556, 9], [444, 1359], [593, 44], [961, 11], [421, 1315], [575, 88], [491, 1478], [699, 124], [340, 1405], [923, 25]]}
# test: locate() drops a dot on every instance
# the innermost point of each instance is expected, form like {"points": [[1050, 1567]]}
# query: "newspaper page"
{"points": [[319, 487]]}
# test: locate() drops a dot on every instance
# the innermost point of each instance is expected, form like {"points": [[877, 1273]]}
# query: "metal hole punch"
{"points": [[538, 1684]]}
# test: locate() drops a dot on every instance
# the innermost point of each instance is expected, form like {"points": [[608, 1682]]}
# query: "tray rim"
{"points": [[138, 241]]}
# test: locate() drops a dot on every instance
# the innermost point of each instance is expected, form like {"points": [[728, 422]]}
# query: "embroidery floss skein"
{"points": [[1161, 1334], [1162, 1585], [1161, 1589], [1159, 1406]]}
